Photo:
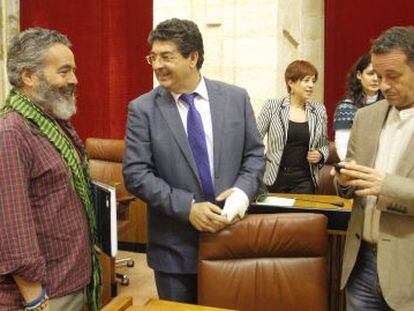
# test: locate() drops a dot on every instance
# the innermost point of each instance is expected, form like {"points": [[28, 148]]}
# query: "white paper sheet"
{"points": [[277, 201]]}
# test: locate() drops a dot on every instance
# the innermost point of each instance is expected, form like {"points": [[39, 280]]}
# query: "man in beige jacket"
{"points": [[378, 266]]}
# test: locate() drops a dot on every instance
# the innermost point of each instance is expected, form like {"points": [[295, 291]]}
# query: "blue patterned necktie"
{"points": [[197, 141]]}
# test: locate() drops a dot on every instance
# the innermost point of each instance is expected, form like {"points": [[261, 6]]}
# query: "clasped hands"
{"points": [[368, 181], [208, 217]]}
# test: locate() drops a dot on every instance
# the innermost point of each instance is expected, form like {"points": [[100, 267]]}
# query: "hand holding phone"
{"points": [[342, 179]]}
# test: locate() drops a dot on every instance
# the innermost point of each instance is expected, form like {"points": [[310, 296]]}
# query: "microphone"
{"points": [[263, 197], [338, 203]]}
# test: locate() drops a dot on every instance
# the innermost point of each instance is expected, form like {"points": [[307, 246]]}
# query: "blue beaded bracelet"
{"points": [[37, 301]]}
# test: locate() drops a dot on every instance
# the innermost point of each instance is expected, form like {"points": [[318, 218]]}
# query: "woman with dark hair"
{"points": [[296, 133], [362, 90]]}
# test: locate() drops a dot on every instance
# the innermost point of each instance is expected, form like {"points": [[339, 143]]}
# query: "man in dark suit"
{"points": [[190, 143]]}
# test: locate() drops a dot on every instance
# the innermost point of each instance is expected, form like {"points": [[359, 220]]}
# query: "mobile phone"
{"points": [[338, 167]]}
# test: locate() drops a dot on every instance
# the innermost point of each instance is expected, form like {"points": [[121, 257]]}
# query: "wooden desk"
{"points": [[338, 218], [163, 305], [119, 303], [124, 303]]}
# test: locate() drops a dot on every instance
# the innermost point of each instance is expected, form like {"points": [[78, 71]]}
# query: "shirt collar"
{"points": [[403, 114], [201, 90], [371, 99], [407, 113], [308, 103]]}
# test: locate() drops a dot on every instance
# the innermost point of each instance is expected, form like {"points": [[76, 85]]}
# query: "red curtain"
{"points": [[109, 42], [350, 27]]}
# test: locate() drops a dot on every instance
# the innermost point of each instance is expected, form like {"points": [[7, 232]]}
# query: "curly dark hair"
{"points": [[184, 33], [354, 89]]}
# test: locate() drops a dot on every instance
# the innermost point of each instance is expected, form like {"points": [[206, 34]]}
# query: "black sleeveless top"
{"points": [[297, 146]]}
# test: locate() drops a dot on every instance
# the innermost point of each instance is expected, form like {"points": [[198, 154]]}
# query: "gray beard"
{"points": [[58, 101]]}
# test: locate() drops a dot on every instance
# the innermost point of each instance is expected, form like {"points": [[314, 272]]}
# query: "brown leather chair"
{"points": [[106, 157], [266, 262], [325, 179], [105, 164]]}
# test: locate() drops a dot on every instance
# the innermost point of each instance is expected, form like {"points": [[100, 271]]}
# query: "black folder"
{"points": [[104, 197]]}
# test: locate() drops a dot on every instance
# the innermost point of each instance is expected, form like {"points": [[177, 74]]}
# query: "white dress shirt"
{"points": [[394, 137]]}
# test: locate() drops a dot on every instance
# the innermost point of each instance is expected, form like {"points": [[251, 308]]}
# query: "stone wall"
{"points": [[250, 42], [9, 26]]}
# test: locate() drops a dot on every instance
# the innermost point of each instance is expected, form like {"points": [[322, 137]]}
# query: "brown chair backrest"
{"points": [[266, 262], [105, 162], [105, 165], [326, 185]]}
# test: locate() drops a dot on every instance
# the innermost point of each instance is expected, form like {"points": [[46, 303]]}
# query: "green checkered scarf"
{"points": [[80, 176]]}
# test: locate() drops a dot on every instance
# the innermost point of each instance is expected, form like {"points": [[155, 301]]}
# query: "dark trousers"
{"points": [[293, 180], [363, 291], [176, 287]]}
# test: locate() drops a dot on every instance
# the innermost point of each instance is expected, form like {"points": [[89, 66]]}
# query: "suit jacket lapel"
{"points": [[169, 110], [313, 120], [284, 117], [374, 126], [217, 102]]}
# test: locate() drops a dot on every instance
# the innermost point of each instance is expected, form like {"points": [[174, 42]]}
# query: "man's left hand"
{"points": [[236, 203], [368, 180]]}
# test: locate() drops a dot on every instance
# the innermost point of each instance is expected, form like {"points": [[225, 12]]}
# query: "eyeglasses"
{"points": [[163, 58]]}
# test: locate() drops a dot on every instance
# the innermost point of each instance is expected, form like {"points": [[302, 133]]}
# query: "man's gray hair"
{"points": [[27, 50], [396, 38]]}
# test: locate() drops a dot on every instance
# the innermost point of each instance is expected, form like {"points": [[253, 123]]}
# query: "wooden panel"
{"points": [[182, 306], [108, 277], [336, 244], [136, 231], [142, 235], [119, 303]]}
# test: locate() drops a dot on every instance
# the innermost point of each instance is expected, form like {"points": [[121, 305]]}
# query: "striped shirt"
{"points": [[273, 121], [44, 233]]}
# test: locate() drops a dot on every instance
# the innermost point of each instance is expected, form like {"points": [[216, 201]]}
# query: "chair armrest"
{"points": [[126, 199]]}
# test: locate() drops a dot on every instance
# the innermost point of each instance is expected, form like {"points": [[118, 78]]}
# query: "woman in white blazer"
{"points": [[296, 129]]}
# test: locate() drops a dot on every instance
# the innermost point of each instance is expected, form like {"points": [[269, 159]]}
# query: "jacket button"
{"points": [[357, 236]]}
